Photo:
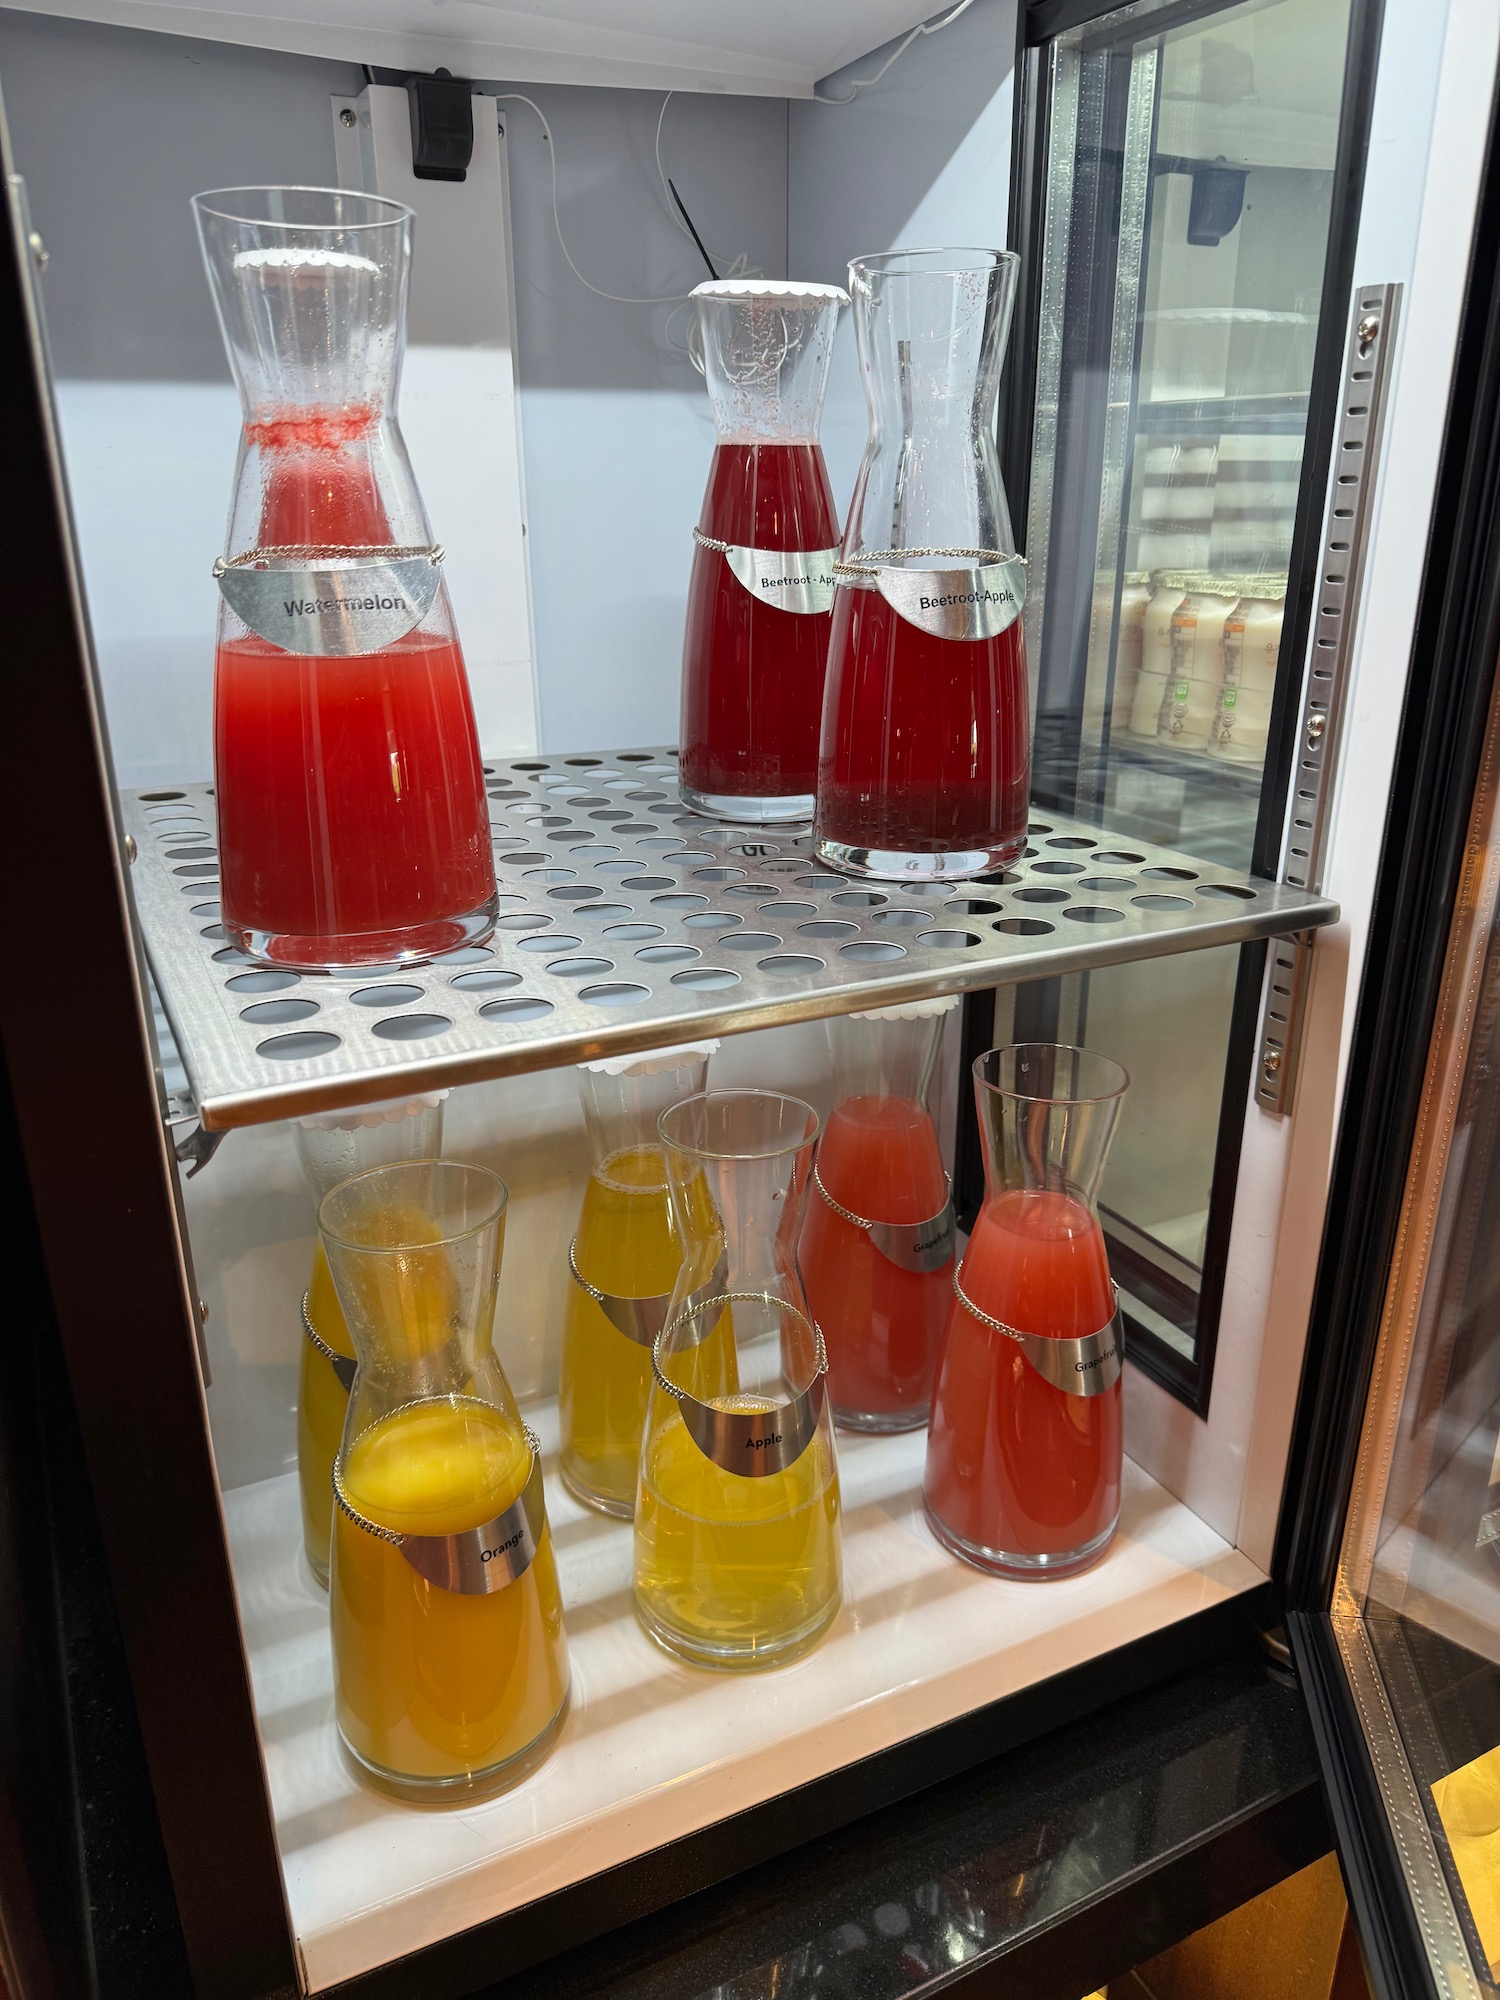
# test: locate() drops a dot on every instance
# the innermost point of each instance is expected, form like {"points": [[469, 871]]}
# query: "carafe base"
{"points": [[1021, 1568], [467, 1787], [883, 1422], [617, 1507], [730, 1654], [891, 864], [749, 809], [412, 944]]}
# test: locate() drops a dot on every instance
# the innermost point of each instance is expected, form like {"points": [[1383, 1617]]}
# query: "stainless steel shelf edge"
{"points": [[627, 922]]}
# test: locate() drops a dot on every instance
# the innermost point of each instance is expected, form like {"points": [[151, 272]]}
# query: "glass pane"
{"points": [[1417, 1604], [1190, 192]]}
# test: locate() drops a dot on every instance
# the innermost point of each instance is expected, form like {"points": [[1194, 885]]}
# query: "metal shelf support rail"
{"points": [[627, 922]]}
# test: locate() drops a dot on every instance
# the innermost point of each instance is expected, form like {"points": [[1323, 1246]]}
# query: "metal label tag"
{"points": [[917, 1246], [755, 1443], [799, 580], [978, 601], [488, 1558], [336, 610], [1085, 1367], [642, 1319]]}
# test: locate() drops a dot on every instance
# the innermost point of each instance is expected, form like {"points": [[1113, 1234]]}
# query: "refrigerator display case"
{"points": [[1244, 275]]}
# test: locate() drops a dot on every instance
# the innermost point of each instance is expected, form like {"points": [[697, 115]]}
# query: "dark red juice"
{"points": [[1015, 1466], [352, 818], [925, 741], [752, 675], [320, 488]]}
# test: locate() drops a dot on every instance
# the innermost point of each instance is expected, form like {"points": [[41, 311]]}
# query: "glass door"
{"points": [[1190, 269]]}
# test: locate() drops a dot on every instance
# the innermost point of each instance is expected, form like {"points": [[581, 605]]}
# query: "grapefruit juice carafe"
{"points": [[352, 822], [1025, 1449], [877, 1245], [756, 641], [924, 765], [450, 1662], [622, 1266], [333, 1146], [737, 1547]]}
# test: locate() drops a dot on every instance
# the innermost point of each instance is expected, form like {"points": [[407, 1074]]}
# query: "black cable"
{"points": [[682, 211]]}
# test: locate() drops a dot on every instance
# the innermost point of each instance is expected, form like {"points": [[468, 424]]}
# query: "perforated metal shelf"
{"points": [[628, 922]]}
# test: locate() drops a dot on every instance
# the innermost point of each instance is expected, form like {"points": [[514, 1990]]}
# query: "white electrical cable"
{"points": [[740, 267], [922, 28]]}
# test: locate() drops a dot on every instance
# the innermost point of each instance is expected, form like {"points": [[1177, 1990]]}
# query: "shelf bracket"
{"points": [[1340, 575]]}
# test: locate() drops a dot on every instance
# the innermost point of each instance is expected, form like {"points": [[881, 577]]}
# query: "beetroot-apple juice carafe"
{"points": [[333, 1146], [923, 770], [352, 822], [877, 1247], [1025, 1447], [756, 642]]}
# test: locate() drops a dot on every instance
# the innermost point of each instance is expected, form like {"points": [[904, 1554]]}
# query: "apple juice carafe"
{"points": [[450, 1661], [622, 1266], [924, 763], [737, 1543], [333, 1146], [761, 592], [1025, 1449], [352, 821], [877, 1246]]}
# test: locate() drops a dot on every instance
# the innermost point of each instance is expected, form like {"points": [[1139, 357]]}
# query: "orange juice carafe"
{"points": [[450, 1661], [877, 1247], [622, 1263], [332, 1146], [1025, 1448]]}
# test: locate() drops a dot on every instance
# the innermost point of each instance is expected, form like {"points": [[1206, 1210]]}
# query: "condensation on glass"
{"points": [[1190, 184]]}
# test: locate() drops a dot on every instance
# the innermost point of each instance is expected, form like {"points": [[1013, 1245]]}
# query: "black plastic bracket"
{"points": [[442, 126]]}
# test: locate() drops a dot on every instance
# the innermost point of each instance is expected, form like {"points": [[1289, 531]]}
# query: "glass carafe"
{"points": [[756, 641], [1025, 1448], [333, 1146], [623, 1263], [877, 1245], [450, 1662], [737, 1548], [353, 825], [924, 766]]}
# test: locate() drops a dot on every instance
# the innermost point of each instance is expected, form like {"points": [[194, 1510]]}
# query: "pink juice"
{"points": [[1014, 1465], [882, 1325]]}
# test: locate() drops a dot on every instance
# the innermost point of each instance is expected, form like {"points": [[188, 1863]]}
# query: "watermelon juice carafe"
{"points": [[333, 1146], [924, 764], [450, 1660], [761, 591], [738, 1557], [623, 1264], [877, 1246], [352, 823], [1025, 1448]]}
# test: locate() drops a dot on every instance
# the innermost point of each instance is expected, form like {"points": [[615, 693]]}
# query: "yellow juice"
{"points": [[322, 1403], [626, 1246], [433, 1684], [733, 1571]]}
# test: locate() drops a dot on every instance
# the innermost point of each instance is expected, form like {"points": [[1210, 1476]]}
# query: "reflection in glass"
{"points": [[1190, 177]]}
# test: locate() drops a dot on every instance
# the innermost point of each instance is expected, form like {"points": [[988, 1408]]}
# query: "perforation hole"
{"points": [[1041, 895], [386, 996], [299, 1047], [616, 993], [579, 968], [791, 965], [1226, 892], [1023, 926], [1160, 902], [947, 940], [859, 899], [647, 882], [494, 979], [749, 941], [719, 874], [1170, 874], [626, 933], [668, 954], [785, 912], [827, 927], [871, 950], [1094, 913], [411, 1027], [552, 875], [1105, 885], [525, 1007], [265, 1013], [706, 976], [900, 919], [1117, 857], [972, 906], [548, 941], [682, 899], [525, 922], [261, 982], [1066, 840]]}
